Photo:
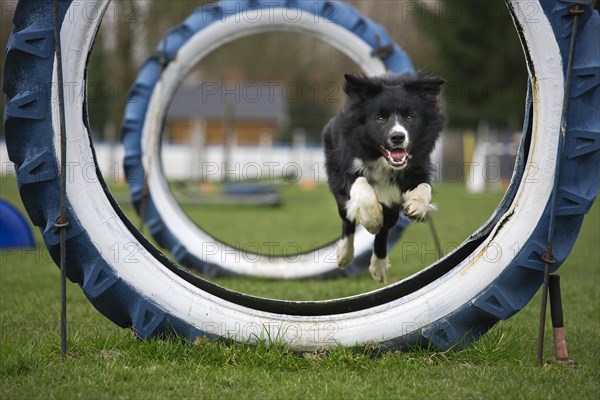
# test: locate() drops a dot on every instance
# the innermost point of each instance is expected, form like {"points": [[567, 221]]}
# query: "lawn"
{"points": [[108, 362]]}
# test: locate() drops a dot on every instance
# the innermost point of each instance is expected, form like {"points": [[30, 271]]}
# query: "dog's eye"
{"points": [[380, 119], [410, 117]]}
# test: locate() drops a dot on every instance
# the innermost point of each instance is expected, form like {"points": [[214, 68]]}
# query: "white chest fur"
{"points": [[379, 176]]}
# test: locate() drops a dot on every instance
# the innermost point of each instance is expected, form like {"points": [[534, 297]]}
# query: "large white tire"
{"points": [[489, 277]]}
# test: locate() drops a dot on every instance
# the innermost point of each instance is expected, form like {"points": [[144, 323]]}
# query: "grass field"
{"points": [[106, 362]]}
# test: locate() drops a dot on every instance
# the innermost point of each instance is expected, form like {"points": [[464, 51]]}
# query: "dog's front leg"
{"points": [[417, 202], [364, 206]]}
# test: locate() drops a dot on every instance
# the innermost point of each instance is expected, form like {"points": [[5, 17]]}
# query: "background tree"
{"points": [[478, 53], [472, 44]]}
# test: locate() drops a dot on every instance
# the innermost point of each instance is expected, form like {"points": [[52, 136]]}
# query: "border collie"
{"points": [[377, 157]]}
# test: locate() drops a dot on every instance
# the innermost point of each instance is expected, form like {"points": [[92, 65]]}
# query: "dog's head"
{"points": [[399, 116]]}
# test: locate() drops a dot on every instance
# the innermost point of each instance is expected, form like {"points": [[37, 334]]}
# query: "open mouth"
{"points": [[397, 157]]}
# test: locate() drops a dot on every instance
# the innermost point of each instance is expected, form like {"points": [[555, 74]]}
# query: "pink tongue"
{"points": [[398, 154]]}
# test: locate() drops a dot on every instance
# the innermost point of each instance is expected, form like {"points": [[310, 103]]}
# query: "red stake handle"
{"points": [[556, 311]]}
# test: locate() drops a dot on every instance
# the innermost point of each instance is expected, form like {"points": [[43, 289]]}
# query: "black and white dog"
{"points": [[377, 157]]}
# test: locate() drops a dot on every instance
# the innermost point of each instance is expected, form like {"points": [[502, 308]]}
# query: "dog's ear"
{"points": [[361, 86], [426, 85]]}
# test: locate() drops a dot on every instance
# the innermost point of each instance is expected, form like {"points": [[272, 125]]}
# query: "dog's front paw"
{"points": [[379, 269], [371, 217], [364, 206], [417, 202], [345, 251]]}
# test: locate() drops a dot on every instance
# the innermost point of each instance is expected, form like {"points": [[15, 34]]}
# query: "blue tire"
{"points": [[488, 278], [151, 197]]}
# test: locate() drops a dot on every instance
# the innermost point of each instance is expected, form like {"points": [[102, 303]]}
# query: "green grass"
{"points": [[106, 362], [308, 219]]}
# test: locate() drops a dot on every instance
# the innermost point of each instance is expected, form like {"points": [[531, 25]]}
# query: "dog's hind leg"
{"points": [[345, 247], [379, 260]]}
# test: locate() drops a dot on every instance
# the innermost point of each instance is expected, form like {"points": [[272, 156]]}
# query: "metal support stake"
{"points": [[62, 224], [548, 257], [436, 238]]}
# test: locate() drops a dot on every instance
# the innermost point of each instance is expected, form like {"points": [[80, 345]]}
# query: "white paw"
{"points": [[379, 269], [345, 251], [417, 202], [364, 206], [371, 217]]}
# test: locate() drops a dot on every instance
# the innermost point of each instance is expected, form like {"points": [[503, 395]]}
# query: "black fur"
{"points": [[356, 133]]}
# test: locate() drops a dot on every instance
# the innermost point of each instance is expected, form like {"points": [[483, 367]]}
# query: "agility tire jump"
{"points": [[207, 29], [488, 278]]}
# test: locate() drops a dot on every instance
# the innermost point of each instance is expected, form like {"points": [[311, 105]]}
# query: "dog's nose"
{"points": [[397, 138]]}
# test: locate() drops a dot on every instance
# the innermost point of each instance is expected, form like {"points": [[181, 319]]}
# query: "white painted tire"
{"points": [[340, 26], [490, 277]]}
